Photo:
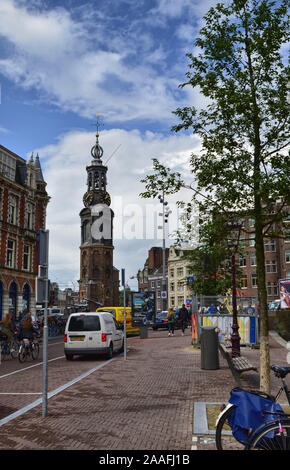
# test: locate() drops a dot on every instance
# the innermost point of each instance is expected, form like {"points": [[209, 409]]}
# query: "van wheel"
{"points": [[69, 357], [110, 352]]}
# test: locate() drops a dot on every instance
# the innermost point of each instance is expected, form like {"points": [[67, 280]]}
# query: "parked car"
{"points": [[92, 333], [161, 320]]}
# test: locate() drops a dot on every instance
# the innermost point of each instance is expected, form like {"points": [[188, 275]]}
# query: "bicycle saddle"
{"points": [[280, 371]]}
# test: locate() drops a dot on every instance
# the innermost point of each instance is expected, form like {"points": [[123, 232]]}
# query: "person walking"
{"points": [[183, 317], [171, 322]]}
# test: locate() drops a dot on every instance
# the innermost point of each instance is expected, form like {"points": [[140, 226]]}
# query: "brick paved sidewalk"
{"points": [[144, 403]]}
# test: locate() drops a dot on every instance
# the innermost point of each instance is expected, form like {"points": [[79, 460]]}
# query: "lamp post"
{"points": [[165, 214], [233, 246]]}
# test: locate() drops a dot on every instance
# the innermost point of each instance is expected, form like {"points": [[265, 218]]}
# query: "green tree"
{"points": [[243, 165]]}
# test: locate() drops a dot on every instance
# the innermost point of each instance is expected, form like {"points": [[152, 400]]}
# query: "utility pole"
{"points": [[42, 296], [165, 214]]}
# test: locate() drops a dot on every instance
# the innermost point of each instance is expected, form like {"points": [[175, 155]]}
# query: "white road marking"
{"points": [[20, 393], [53, 393], [29, 367]]}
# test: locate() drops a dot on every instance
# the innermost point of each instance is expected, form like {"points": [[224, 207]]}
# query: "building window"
{"points": [[10, 256], [172, 286], [172, 301], [180, 300], [7, 166], [271, 266], [243, 261], [252, 241], [254, 280], [179, 286], [253, 259], [242, 241], [270, 245], [12, 210], [287, 256], [152, 284], [25, 298], [158, 283], [251, 223], [272, 289], [28, 216], [27, 257], [179, 272], [244, 281], [171, 272], [158, 294], [287, 235], [13, 299]]}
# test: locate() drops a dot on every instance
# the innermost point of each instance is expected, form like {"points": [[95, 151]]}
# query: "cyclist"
{"points": [[26, 327]]}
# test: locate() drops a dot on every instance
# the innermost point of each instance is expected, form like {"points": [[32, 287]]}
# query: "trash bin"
{"points": [[143, 332], [209, 348]]}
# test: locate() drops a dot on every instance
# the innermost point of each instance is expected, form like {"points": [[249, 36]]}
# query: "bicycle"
{"points": [[6, 350], [28, 348], [224, 436]]}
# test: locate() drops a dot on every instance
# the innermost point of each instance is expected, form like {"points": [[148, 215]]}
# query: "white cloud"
{"points": [[64, 169], [84, 65]]}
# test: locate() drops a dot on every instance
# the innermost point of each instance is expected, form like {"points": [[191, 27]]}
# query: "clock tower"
{"points": [[99, 280]]}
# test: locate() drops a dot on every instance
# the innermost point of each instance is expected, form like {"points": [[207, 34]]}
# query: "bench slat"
{"points": [[237, 364]]}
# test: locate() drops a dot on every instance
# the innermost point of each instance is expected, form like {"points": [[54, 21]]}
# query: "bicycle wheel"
{"points": [[22, 353], [4, 354], [35, 350], [274, 435], [14, 350], [224, 438]]}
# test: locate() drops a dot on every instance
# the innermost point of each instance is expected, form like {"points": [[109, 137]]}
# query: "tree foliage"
{"points": [[243, 165]]}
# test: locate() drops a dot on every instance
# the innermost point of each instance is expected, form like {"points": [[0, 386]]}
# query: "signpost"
{"points": [[125, 316], [42, 296]]}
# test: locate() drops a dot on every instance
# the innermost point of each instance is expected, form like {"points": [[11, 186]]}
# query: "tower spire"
{"points": [[97, 151]]}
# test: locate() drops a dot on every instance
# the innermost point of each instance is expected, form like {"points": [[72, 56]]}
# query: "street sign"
{"points": [[43, 247], [164, 294]]}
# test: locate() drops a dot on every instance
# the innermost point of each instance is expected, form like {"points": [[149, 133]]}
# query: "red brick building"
{"points": [[277, 260], [23, 202]]}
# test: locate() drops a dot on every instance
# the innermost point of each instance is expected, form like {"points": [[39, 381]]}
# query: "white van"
{"points": [[92, 333]]}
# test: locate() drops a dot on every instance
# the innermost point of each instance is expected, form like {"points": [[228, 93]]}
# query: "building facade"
{"points": [[23, 202], [277, 260], [99, 279], [150, 277], [179, 292]]}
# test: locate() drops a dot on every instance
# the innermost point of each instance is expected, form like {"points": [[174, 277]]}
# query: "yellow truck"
{"points": [[118, 314]]}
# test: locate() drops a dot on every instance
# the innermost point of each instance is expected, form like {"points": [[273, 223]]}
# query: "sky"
{"points": [[62, 63]]}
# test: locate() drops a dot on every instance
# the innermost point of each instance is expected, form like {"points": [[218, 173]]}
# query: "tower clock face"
{"points": [[105, 198], [88, 199]]}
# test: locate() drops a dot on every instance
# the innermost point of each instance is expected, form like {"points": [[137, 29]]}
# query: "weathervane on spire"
{"points": [[97, 151]]}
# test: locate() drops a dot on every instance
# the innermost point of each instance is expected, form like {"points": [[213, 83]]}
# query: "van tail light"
{"points": [[65, 338], [104, 337]]}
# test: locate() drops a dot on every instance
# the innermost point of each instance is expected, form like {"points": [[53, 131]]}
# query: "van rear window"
{"points": [[84, 323]]}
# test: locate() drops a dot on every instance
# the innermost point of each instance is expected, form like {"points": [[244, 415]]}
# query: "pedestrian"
{"points": [[183, 317], [171, 322]]}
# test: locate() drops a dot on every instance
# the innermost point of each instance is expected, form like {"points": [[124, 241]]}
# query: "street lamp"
{"points": [[233, 245], [165, 214]]}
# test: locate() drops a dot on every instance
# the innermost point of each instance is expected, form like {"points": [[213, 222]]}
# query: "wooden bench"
{"points": [[237, 365]]}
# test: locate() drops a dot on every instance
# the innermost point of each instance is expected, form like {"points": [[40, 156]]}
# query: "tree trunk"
{"points": [[263, 308]]}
